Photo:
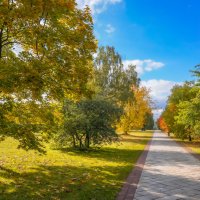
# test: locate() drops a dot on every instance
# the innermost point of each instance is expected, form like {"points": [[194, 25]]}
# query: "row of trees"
{"points": [[117, 102], [51, 86], [182, 113]]}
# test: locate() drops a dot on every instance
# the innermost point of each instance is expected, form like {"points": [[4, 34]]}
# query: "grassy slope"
{"points": [[68, 174]]}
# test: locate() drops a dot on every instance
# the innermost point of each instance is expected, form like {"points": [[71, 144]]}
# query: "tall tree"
{"points": [[113, 80], [54, 44], [135, 110], [178, 95], [149, 121], [162, 124], [188, 115]]}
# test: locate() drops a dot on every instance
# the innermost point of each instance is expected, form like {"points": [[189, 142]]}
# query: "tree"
{"points": [[89, 122], [149, 121], [178, 93], [112, 79], [189, 117], [189, 112], [162, 124], [55, 44], [135, 111]]}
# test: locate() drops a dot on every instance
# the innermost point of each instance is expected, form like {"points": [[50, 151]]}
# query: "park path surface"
{"points": [[170, 172]]}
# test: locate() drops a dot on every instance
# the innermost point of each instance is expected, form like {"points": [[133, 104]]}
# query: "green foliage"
{"points": [[182, 113], [179, 93], [54, 45], [189, 116], [112, 79], [89, 122], [149, 122]]}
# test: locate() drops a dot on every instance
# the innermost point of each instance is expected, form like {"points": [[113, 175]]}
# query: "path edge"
{"points": [[129, 187], [188, 149]]}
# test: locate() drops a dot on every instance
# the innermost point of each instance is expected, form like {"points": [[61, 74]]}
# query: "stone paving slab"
{"points": [[170, 172], [128, 190]]}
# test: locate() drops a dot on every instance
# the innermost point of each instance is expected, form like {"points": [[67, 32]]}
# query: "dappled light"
{"points": [[68, 173], [99, 100]]}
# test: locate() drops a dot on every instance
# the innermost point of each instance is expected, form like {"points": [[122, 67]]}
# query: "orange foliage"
{"points": [[162, 124]]}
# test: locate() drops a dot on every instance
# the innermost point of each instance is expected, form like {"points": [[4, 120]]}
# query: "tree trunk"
{"points": [[80, 144], [74, 141], [190, 138], [1, 43], [87, 141]]}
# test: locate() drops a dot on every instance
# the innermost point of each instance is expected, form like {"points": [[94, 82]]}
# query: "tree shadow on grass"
{"points": [[69, 182], [106, 154], [63, 182], [119, 153]]}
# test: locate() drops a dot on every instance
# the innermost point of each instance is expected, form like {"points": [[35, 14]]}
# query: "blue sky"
{"points": [[162, 37]]}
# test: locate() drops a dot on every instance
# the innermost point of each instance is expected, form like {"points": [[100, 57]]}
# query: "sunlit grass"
{"points": [[67, 174], [194, 145]]}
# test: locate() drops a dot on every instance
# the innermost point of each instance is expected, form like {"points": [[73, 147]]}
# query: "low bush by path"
{"points": [[68, 174]]}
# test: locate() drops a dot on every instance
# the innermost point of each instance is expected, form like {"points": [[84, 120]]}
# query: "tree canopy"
{"points": [[46, 50], [136, 110], [182, 113], [112, 78], [47, 58], [89, 122]]}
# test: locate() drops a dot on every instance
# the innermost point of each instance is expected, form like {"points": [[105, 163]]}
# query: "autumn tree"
{"points": [[46, 50], [135, 110], [171, 115], [162, 125], [178, 93]]}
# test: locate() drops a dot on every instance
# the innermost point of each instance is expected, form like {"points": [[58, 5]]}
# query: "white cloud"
{"points": [[160, 90], [144, 65], [109, 29], [96, 6]]}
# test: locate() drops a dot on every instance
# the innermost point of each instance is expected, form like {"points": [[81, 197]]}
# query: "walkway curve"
{"points": [[170, 172]]}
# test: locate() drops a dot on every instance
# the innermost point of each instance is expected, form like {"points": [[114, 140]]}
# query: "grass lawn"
{"points": [[194, 145], [67, 174]]}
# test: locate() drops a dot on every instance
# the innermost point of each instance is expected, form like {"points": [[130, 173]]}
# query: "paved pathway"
{"points": [[170, 172]]}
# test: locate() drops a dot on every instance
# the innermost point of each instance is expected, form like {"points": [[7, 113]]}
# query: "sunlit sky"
{"points": [[162, 37]]}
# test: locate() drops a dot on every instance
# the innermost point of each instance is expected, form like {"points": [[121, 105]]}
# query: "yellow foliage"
{"points": [[136, 110]]}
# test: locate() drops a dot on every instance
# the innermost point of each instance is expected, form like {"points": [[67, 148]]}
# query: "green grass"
{"points": [[67, 174], [194, 145]]}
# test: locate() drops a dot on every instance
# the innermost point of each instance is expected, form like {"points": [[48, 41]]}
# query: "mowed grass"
{"points": [[68, 174], [194, 145]]}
